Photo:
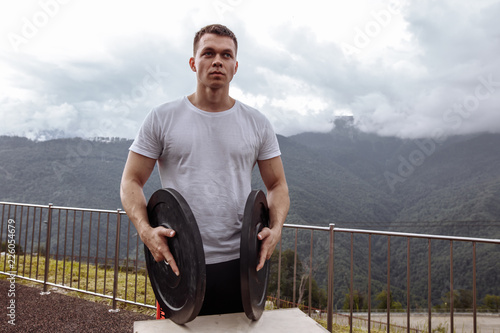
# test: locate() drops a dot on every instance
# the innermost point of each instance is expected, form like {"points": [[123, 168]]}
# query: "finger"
{"points": [[264, 233], [167, 232], [163, 251], [264, 249], [169, 258], [173, 265], [262, 258]]}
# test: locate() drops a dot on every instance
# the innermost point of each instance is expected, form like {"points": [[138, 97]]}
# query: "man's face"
{"points": [[215, 61]]}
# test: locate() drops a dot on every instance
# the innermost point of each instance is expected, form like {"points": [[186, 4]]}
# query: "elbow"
{"points": [[279, 188], [128, 187]]}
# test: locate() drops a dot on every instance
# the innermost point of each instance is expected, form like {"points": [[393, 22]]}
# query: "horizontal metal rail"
{"points": [[414, 235], [61, 207]]}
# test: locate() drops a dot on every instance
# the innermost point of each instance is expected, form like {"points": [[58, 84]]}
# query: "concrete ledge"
{"points": [[283, 320]]}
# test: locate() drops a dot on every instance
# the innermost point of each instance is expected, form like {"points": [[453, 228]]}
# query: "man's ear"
{"points": [[236, 67], [191, 64]]}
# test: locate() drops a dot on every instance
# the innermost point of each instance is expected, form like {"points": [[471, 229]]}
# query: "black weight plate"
{"points": [[180, 297], [253, 283]]}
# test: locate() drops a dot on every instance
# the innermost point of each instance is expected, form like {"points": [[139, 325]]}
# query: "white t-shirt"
{"points": [[208, 157]]}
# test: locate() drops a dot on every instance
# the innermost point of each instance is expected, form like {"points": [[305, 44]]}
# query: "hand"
{"points": [[156, 241], [269, 239]]}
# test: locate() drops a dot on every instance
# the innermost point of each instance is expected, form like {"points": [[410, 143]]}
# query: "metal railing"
{"points": [[408, 237], [333, 235], [87, 243], [92, 244]]}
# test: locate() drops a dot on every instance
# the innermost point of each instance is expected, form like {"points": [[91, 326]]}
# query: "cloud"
{"points": [[435, 88], [410, 71], [106, 98]]}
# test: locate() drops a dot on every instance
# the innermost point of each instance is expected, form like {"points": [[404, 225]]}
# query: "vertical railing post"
{"points": [[47, 250], [295, 268], [310, 275], [117, 258], [351, 284], [1, 233], [19, 226], [474, 292], [429, 288], [408, 272], [279, 276], [452, 296], [57, 244], [389, 284], [329, 319], [369, 283]]}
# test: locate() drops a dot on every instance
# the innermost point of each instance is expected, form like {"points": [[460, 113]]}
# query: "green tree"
{"points": [[286, 283], [462, 299], [318, 295], [491, 302], [359, 301], [382, 299], [18, 249]]}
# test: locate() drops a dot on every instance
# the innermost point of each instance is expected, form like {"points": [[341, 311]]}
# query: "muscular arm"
{"points": [[137, 170], [273, 175]]}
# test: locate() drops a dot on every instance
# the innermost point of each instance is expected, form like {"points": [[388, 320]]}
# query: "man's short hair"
{"points": [[217, 29]]}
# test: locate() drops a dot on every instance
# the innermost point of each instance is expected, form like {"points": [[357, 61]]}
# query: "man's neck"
{"points": [[211, 100]]}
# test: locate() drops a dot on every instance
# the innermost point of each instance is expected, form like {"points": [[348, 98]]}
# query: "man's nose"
{"points": [[217, 62]]}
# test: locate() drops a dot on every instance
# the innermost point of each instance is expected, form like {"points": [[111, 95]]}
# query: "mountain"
{"points": [[324, 191], [66, 172], [345, 176], [423, 181], [449, 186]]}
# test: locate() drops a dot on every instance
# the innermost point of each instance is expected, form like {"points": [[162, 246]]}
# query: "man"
{"points": [[206, 145]]}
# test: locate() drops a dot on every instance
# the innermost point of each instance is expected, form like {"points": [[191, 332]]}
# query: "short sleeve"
{"points": [[148, 141], [270, 147]]}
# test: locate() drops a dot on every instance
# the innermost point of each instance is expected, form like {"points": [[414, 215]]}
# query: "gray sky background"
{"points": [[408, 69]]}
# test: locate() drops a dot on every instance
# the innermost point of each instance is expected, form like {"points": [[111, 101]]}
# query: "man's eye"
{"points": [[228, 55], [207, 53]]}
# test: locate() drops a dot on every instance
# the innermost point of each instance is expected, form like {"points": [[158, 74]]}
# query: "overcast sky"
{"points": [[409, 69]]}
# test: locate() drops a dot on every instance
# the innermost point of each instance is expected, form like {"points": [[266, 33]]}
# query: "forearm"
{"points": [[279, 203], [135, 205]]}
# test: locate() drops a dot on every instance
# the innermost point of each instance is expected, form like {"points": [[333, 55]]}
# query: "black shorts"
{"points": [[223, 290]]}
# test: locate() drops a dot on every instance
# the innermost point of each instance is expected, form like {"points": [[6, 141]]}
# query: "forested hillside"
{"points": [[421, 183], [346, 177], [65, 172]]}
